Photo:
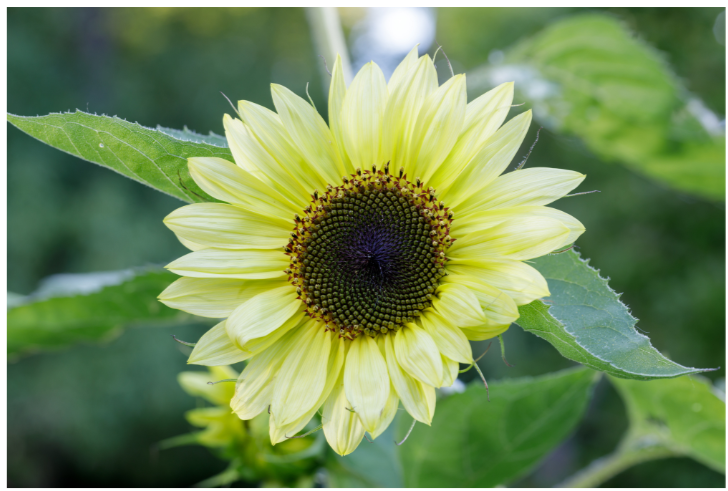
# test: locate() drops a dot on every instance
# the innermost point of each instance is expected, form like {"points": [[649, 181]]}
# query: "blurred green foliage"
{"points": [[88, 416], [99, 307], [526, 419], [684, 415], [619, 95], [246, 444]]}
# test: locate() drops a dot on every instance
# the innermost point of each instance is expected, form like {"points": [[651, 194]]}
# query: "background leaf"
{"points": [[70, 308], [589, 76], [476, 443], [157, 158], [371, 465], [682, 414], [585, 320]]}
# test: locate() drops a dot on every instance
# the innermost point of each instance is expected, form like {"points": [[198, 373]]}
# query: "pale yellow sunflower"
{"points": [[354, 261]]}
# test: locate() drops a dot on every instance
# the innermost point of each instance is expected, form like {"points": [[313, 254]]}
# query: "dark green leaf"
{"points": [[476, 443], [585, 320], [157, 158], [87, 307], [683, 414], [589, 76]]}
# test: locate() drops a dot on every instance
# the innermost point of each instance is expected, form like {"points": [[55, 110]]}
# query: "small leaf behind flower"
{"points": [[476, 443], [585, 320], [71, 308], [155, 157]]}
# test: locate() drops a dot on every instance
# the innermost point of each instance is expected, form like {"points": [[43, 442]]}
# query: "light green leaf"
{"points": [[589, 76], [585, 320], [157, 158], [186, 134], [87, 307], [476, 443], [683, 414]]}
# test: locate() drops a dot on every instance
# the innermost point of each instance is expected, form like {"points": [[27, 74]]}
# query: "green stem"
{"points": [[328, 39], [603, 469], [225, 478]]}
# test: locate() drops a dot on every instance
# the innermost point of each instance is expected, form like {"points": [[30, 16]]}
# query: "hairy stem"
{"points": [[601, 470]]}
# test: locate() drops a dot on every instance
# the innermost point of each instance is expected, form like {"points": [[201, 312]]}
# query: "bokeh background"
{"points": [[91, 415]]}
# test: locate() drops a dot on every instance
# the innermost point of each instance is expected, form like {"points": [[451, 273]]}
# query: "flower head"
{"points": [[353, 262]]}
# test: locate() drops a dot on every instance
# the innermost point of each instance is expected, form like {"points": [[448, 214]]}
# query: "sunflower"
{"points": [[353, 261]]}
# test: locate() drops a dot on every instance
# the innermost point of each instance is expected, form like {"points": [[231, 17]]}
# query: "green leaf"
{"points": [[157, 158], [476, 443], [589, 76], [585, 320], [371, 465], [87, 307], [683, 414]]}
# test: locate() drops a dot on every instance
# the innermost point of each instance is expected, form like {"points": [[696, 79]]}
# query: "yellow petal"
{"points": [[196, 384], [458, 305], [281, 432], [482, 220], [263, 314], [342, 427], [536, 186], [254, 389], [222, 263], [366, 381], [520, 238], [489, 163], [450, 370], [483, 117], [213, 297], [403, 69], [499, 308], [438, 127], [309, 133], [337, 93], [403, 106], [417, 398], [303, 375], [190, 245], [362, 117], [230, 183], [521, 282], [250, 155], [390, 411], [417, 354], [337, 355], [228, 227], [215, 348], [257, 345], [448, 338], [485, 332], [272, 135]]}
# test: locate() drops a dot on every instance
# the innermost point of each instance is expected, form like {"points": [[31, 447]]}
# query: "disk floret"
{"points": [[367, 255]]}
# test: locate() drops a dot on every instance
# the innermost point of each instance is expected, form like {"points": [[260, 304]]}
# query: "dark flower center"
{"points": [[369, 254]]}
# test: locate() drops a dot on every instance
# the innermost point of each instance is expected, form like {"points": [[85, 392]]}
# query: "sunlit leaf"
{"points": [[589, 76], [476, 443], [683, 414], [87, 307], [586, 321], [155, 157]]}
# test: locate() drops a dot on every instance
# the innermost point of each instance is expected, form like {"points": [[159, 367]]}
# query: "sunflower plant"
{"points": [[349, 262]]}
